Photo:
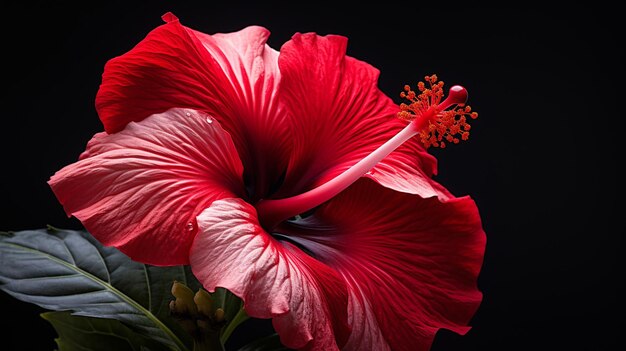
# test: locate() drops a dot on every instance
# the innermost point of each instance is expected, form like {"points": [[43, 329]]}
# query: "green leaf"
{"points": [[268, 343], [78, 333], [70, 270]]}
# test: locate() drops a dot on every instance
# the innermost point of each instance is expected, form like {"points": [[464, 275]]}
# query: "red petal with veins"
{"points": [[411, 264], [340, 116], [306, 299], [233, 77], [141, 188]]}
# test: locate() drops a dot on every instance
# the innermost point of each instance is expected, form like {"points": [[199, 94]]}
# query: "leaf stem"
{"points": [[239, 318]]}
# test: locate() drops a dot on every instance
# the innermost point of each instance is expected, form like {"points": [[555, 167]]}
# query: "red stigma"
{"points": [[457, 95]]}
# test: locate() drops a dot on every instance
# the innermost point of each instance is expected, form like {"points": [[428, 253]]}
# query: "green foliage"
{"points": [[70, 270], [77, 333], [106, 301]]}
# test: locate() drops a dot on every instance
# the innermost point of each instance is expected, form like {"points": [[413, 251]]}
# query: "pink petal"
{"points": [[340, 116], [305, 298], [411, 264], [233, 77], [140, 189]]}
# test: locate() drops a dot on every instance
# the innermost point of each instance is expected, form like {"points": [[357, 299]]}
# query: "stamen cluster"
{"points": [[443, 125]]}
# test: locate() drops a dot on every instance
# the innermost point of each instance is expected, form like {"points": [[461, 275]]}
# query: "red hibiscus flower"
{"points": [[274, 175]]}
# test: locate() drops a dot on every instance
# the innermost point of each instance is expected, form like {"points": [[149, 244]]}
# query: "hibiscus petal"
{"points": [[340, 116], [233, 77], [411, 264], [305, 298], [148, 182]]}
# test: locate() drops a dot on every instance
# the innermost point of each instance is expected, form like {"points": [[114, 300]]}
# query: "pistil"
{"points": [[427, 116]]}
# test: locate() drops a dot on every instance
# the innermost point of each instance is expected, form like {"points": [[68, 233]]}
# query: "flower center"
{"points": [[432, 119]]}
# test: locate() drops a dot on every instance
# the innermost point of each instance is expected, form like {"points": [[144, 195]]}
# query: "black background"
{"points": [[541, 162]]}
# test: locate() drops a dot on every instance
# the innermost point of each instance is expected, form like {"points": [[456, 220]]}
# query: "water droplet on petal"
{"points": [[188, 114], [190, 226], [209, 120]]}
